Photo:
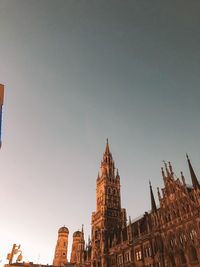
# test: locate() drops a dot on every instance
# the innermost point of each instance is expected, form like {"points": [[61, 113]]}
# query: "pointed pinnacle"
{"points": [[153, 203], [107, 146], [195, 182]]}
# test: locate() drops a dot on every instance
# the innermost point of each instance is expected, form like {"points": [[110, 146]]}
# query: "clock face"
{"points": [[171, 196]]}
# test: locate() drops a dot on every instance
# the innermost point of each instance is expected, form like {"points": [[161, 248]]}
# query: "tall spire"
{"points": [[107, 151], [193, 175], [153, 203], [107, 165]]}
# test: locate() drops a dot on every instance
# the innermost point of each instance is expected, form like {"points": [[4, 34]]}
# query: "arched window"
{"points": [[172, 260], [192, 234], [185, 237], [171, 243], [156, 220], [183, 209], [187, 208], [155, 247], [96, 234], [181, 239], [193, 254], [182, 257]]}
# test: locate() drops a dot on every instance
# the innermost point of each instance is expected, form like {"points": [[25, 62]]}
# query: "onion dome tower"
{"points": [[77, 253], [60, 256]]}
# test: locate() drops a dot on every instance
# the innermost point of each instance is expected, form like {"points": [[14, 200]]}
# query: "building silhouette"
{"points": [[167, 236]]}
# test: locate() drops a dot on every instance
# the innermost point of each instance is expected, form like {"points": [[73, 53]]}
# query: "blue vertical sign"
{"points": [[1, 123], [1, 111]]}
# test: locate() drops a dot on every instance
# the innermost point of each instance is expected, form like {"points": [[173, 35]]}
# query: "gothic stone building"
{"points": [[167, 236]]}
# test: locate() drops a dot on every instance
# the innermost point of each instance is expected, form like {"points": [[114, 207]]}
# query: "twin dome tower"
{"points": [[60, 256]]}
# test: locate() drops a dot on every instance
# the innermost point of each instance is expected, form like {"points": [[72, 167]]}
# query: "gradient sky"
{"points": [[75, 73]]}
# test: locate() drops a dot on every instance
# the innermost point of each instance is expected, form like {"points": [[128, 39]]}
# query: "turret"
{"points": [[117, 177], [159, 196], [153, 203], [171, 170], [167, 171], [98, 177], [164, 177]]}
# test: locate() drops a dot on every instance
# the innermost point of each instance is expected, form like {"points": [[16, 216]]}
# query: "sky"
{"points": [[75, 73]]}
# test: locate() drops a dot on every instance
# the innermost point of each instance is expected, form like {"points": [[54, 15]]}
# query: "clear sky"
{"points": [[75, 73]]}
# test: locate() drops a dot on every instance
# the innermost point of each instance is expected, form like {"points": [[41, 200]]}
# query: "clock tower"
{"points": [[109, 217]]}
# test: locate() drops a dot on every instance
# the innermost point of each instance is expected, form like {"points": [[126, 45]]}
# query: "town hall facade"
{"points": [[167, 236]]}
